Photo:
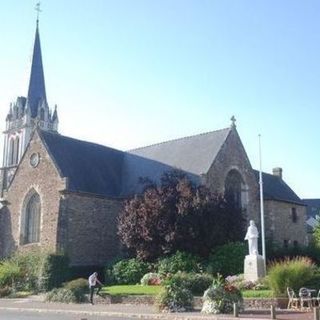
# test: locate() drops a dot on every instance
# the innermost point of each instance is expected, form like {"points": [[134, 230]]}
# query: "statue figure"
{"points": [[252, 236]]}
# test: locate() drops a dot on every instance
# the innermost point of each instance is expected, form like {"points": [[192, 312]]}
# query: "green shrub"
{"points": [[129, 271], [175, 297], [180, 261], [293, 273], [5, 291], [30, 264], [10, 274], [79, 287], [314, 282], [276, 251], [35, 270], [53, 272], [61, 295], [227, 259], [195, 282], [150, 279]]}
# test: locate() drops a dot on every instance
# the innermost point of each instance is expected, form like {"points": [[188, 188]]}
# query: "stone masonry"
{"points": [[79, 224], [46, 181], [280, 225], [232, 156], [88, 228]]}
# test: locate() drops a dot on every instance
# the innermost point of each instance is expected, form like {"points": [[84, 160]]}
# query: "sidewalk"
{"points": [[137, 311]]}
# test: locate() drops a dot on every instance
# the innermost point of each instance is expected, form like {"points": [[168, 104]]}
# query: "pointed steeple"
{"points": [[55, 114], [37, 90]]}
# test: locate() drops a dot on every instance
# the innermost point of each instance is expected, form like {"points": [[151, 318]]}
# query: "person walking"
{"points": [[94, 283]]}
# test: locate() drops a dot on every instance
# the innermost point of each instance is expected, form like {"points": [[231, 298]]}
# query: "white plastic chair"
{"points": [[293, 299], [305, 298], [316, 300]]}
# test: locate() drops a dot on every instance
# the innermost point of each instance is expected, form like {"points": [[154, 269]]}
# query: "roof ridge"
{"points": [[177, 139], [78, 140]]}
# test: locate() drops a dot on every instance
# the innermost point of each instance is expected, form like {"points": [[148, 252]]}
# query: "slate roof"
{"points": [[101, 170], [37, 90], [313, 207], [90, 167], [136, 167], [194, 154], [274, 188]]}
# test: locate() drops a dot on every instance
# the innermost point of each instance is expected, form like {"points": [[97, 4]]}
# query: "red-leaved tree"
{"points": [[177, 215]]}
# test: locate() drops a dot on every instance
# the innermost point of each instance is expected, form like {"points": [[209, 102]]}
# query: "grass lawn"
{"points": [[153, 290], [131, 290], [257, 294]]}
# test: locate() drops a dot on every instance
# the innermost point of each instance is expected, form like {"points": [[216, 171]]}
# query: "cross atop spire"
{"points": [[37, 91], [37, 8], [233, 121]]}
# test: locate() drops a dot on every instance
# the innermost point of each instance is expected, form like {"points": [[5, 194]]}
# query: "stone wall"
{"points": [[249, 303], [88, 228], [279, 224], [46, 181], [233, 156]]}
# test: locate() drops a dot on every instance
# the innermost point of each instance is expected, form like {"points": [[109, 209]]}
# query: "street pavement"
{"points": [[33, 308]]}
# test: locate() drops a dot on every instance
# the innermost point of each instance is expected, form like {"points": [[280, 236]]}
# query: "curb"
{"points": [[128, 315]]}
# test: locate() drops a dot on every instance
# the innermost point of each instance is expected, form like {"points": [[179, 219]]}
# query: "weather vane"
{"points": [[37, 8]]}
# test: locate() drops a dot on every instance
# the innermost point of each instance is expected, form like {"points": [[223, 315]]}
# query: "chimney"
{"points": [[277, 172]]}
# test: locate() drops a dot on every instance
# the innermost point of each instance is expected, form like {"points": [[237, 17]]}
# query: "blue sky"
{"points": [[132, 73]]}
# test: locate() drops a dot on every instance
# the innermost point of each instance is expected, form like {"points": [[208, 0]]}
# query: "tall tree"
{"points": [[178, 215]]}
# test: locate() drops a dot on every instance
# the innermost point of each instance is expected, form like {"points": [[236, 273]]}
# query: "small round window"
{"points": [[34, 159]]}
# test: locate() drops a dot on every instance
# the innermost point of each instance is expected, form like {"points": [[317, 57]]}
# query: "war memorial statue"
{"points": [[254, 265]]}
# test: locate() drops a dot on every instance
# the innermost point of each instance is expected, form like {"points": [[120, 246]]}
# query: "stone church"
{"points": [[65, 194]]}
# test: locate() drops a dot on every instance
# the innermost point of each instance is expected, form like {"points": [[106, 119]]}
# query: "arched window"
{"points": [[11, 152], [42, 114], [30, 224], [234, 189], [16, 151]]}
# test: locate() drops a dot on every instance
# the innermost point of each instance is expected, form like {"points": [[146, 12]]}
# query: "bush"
{"points": [[35, 270], [53, 272], [227, 259], [150, 279], [195, 282], [220, 297], [79, 287], [240, 283], [129, 271], [180, 261], [314, 282], [5, 291], [293, 273], [10, 274], [29, 264], [61, 295], [277, 252], [175, 297]]}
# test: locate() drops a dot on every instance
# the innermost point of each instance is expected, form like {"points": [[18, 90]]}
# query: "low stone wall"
{"points": [[265, 303], [252, 303]]}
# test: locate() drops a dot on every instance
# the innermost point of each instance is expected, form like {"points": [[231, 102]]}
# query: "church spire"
{"points": [[37, 91]]}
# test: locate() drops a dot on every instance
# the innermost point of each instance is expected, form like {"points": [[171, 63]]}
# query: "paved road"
{"points": [[33, 308], [28, 315]]}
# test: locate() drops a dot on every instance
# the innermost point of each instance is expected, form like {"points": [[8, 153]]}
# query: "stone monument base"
{"points": [[254, 267]]}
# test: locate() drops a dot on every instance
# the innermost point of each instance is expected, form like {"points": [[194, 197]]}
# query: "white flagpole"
{"points": [[261, 206]]}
